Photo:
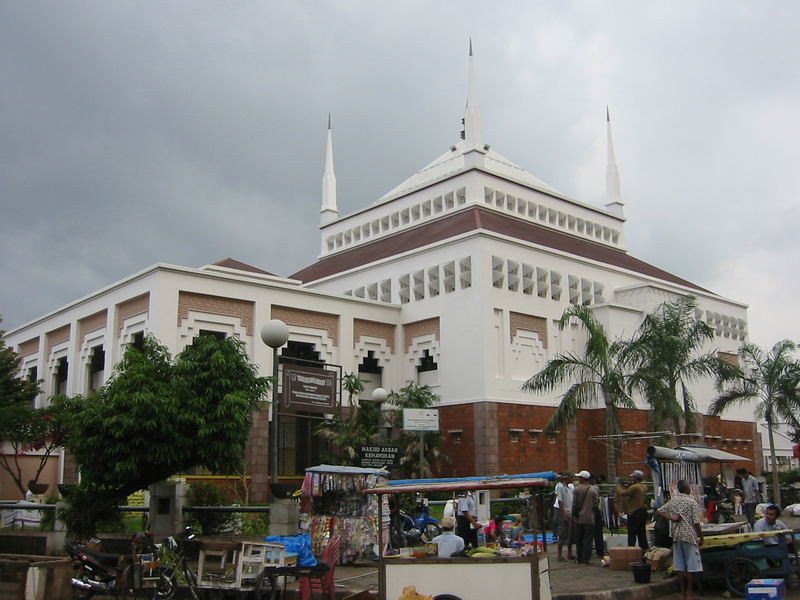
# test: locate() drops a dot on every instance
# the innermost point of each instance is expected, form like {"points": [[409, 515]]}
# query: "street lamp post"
{"points": [[274, 334], [379, 396]]}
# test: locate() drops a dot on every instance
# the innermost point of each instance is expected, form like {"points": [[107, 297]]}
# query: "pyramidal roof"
{"points": [[456, 161], [468, 154]]}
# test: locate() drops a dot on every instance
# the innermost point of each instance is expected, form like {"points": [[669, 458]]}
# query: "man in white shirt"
{"points": [[751, 494], [448, 542], [467, 520], [562, 515]]}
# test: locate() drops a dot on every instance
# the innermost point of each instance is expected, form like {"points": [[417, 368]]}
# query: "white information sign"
{"points": [[421, 419]]}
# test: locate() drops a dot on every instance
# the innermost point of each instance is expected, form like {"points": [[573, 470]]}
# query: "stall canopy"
{"points": [[695, 454], [549, 475], [346, 470], [405, 486]]}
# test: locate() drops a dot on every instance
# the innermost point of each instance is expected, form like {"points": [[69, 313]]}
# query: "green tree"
{"points": [[665, 357], [156, 417], [347, 434], [416, 396], [28, 431], [597, 377], [772, 379]]}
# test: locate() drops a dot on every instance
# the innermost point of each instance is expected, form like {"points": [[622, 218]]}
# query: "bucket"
{"points": [[641, 572]]}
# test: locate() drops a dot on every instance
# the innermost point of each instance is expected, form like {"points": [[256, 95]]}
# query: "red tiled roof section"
{"points": [[479, 218], [232, 263]]}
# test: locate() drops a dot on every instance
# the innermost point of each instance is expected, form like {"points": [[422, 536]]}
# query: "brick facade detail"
{"points": [[384, 331], [131, 308], [57, 336], [216, 305], [729, 357], [419, 328], [525, 322], [91, 323], [309, 318], [29, 347]]}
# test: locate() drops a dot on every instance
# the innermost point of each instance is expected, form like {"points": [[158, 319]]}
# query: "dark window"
{"points": [[426, 362], [370, 364], [137, 340], [33, 374], [300, 353], [217, 334], [62, 371], [97, 364]]}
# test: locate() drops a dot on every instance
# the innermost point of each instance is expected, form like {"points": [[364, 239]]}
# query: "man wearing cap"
{"points": [[634, 496], [448, 542], [584, 499]]}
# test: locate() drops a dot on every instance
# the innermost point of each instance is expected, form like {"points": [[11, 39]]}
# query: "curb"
{"points": [[642, 592]]}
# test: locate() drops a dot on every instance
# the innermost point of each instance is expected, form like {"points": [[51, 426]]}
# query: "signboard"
{"points": [[375, 457], [309, 389], [421, 419]]}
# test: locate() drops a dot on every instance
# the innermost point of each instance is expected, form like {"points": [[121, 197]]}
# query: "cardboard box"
{"points": [[622, 557], [766, 589]]}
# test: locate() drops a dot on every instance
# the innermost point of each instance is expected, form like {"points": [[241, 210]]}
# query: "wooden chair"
{"points": [[322, 583]]}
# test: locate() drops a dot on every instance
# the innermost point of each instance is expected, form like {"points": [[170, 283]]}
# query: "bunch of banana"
{"points": [[482, 552]]}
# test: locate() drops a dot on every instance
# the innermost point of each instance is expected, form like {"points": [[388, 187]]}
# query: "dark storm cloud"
{"points": [[141, 132]]}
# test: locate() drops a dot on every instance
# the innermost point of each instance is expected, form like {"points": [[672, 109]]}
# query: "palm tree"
{"points": [[597, 377], [772, 379], [665, 357]]}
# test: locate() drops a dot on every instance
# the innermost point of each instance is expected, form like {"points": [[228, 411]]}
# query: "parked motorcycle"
{"points": [[99, 572], [426, 526]]}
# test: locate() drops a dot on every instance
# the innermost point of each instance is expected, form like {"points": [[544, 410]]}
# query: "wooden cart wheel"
{"points": [[738, 573]]}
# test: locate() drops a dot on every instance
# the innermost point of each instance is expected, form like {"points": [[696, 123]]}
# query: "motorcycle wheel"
{"points": [[431, 531]]}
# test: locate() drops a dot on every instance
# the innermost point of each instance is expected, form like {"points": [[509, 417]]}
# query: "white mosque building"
{"points": [[455, 278]]}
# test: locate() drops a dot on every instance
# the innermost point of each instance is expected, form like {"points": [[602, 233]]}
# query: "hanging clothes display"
{"points": [[332, 495]]}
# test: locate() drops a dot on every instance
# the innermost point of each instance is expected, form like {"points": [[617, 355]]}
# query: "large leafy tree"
{"points": [[156, 417], [29, 432], [412, 464], [596, 377], [772, 380], [666, 356]]}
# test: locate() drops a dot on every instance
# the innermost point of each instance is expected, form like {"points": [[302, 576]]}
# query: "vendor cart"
{"points": [[465, 578], [736, 559]]}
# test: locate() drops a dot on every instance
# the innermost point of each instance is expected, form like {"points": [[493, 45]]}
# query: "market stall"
{"points": [[520, 574], [669, 465], [332, 498]]}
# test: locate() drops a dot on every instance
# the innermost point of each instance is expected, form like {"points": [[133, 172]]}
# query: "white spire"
{"points": [[473, 132], [614, 203], [329, 211]]}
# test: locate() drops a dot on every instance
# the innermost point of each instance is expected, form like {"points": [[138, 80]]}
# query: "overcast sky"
{"points": [[185, 132]]}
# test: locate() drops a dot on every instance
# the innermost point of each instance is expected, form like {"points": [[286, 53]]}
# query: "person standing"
{"points": [[584, 499], [635, 500], [687, 537], [468, 524], [751, 494], [599, 541], [562, 515]]}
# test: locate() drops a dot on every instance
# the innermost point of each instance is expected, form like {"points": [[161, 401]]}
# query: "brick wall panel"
{"points": [[420, 328], [216, 305], [309, 318], [131, 308], [384, 331], [525, 322]]}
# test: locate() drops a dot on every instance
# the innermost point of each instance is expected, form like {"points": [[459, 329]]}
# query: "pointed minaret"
{"points": [[614, 203], [329, 211], [473, 132]]}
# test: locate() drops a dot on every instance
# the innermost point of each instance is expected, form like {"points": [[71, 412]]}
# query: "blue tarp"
{"points": [[550, 475], [299, 544]]}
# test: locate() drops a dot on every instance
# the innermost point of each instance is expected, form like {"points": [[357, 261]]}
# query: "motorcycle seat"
{"points": [[104, 558]]}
